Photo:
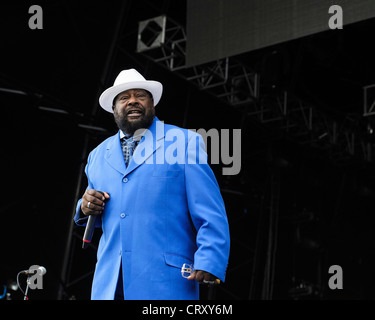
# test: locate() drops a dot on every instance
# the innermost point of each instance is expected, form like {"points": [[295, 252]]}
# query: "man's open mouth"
{"points": [[134, 114]]}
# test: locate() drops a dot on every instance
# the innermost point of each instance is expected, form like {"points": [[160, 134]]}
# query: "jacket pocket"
{"points": [[175, 260]]}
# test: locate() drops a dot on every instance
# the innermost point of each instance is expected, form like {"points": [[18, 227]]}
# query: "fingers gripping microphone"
{"points": [[89, 231]]}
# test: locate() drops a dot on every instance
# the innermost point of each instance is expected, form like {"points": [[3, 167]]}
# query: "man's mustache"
{"points": [[134, 110]]}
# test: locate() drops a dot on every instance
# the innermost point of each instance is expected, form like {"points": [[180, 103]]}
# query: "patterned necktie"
{"points": [[128, 146]]}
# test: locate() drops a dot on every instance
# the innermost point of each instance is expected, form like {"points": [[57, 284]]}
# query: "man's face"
{"points": [[133, 109]]}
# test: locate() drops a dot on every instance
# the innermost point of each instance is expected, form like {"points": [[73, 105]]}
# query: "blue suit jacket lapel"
{"points": [[149, 143], [114, 155]]}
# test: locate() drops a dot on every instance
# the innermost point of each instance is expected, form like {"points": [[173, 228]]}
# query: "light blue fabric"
{"points": [[158, 217]]}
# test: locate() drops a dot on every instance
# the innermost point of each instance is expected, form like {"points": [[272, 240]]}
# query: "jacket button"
{"points": [[122, 215], [125, 180]]}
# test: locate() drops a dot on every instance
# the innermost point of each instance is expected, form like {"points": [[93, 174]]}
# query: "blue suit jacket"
{"points": [[160, 215]]}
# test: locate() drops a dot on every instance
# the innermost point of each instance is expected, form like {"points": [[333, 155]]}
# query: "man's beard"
{"points": [[129, 127]]}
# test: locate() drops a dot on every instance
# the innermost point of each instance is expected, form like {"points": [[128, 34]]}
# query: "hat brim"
{"points": [[106, 98]]}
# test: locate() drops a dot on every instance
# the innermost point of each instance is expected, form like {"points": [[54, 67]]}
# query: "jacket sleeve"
{"points": [[207, 211], [80, 219]]}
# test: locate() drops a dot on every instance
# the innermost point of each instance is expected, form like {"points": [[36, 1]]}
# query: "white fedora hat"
{"points": [[129, 79]]}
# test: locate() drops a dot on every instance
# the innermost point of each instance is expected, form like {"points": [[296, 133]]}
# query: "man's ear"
{"points": [[113, 108]]}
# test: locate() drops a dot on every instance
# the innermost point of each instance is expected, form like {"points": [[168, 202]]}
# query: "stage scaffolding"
{"points": [[237, 84]]}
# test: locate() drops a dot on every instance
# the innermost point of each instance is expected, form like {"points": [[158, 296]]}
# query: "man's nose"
{"points": [[132, 100]]}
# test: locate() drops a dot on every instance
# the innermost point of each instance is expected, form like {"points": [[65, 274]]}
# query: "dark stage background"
{"points": [[303, 201]]}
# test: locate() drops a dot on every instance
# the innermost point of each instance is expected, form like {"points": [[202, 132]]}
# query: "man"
{"points": [[158, 200]]}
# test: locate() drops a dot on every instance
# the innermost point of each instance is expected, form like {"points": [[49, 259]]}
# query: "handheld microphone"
{"points": [[89, 231], [90, 227]]}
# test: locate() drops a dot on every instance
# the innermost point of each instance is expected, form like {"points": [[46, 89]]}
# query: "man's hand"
{"points": [[93, 202], [204, 277]]}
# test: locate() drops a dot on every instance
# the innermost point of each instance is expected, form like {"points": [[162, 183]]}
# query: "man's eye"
{"points": [[124, 98], [140, 95]]}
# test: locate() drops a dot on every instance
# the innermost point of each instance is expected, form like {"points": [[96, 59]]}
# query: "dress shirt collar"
{"points": [[138, 137]]}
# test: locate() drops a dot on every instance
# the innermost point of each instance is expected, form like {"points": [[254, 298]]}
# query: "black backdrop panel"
{"points": [[223, 28]]}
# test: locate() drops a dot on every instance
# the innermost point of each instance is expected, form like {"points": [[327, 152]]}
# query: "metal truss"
{"points": [[165, 35], [226, 78], [237, 85], [307, 124], [369, 100]]}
